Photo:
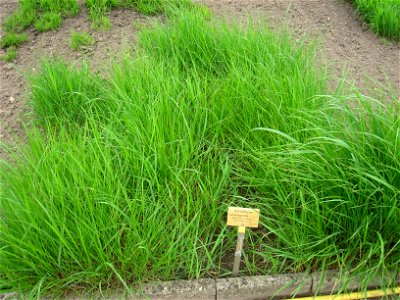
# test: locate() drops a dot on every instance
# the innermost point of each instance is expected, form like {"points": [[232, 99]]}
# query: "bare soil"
{"points": [[345, 42]]}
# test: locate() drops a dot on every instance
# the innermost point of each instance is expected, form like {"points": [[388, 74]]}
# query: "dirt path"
{"points": [[346, 44]]}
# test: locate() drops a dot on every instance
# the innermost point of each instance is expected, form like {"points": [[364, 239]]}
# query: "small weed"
{"points": [[384, 41], [12, 39], [10, 55], [101, 22], [48, 21], [81, 40], [138, 25]]}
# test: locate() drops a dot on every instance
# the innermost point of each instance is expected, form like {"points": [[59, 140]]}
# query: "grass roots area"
{"points": [[383, 16], [128, 173], [99, 8]]}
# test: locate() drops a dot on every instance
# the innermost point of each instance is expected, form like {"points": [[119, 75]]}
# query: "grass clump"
{"points": [[97, 12], [47, 13], [12, 39], [10, 55], [127, 177], [21, 19], [48, 21], [383, 16], [9, 42], [81, 40]]}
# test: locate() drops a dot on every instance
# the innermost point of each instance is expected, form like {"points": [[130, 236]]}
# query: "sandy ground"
{"points": [[345, 42]]}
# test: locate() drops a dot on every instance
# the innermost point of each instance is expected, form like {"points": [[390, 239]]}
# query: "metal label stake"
{"points": [[239, 249]]}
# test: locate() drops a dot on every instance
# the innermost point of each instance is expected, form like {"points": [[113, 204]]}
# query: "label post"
{"points": [[241, 217]]}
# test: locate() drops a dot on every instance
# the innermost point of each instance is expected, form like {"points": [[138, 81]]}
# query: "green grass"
{"points": [[21, 19], [44, 14], [12, 39], [383, 16], [10, 55], [9, 42], [127, 174], [81, 40], [48, 21]]}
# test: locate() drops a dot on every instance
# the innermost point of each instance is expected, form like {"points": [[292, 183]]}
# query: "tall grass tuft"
{"points": [[126, 177], [383, 16]]}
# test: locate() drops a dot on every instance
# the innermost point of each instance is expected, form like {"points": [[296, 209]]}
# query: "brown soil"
{"points": [[346, 43]]}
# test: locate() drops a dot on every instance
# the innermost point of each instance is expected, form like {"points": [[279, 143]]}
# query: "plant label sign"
{"points": [[243, 217]]}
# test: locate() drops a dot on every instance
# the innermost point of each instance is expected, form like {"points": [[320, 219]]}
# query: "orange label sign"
{"points": [[239, 216]]}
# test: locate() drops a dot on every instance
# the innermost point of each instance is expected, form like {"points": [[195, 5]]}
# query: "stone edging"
{"points": [[255, 287], [245, 288]]}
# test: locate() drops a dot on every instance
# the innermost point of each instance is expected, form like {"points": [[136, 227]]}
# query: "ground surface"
{"points": [[346, 43]]}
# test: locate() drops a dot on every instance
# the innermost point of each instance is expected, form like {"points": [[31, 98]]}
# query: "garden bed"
{"points": [[128, 166]]}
